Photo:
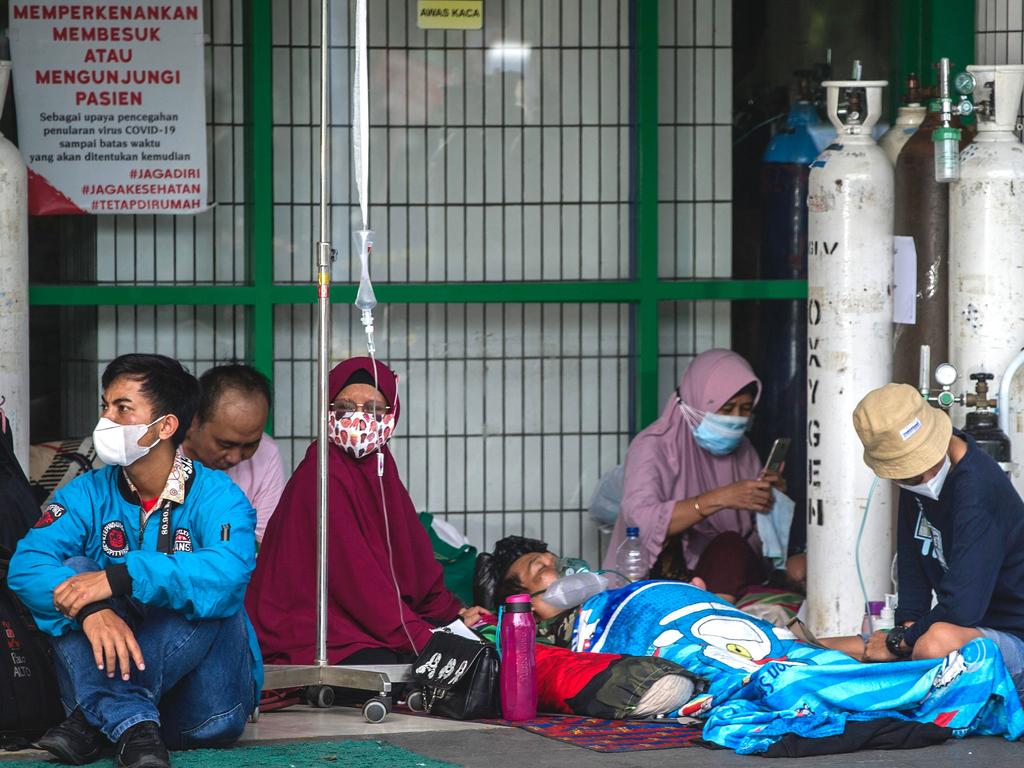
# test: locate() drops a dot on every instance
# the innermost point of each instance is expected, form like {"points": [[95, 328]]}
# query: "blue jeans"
{"points": [[197, 684], [1012, 649]]}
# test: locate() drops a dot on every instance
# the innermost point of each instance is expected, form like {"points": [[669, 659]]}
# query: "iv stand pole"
{"points": [[321, 675], [324, 257]]}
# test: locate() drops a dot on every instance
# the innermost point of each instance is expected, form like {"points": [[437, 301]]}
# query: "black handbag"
{"points": [[458, 677]]}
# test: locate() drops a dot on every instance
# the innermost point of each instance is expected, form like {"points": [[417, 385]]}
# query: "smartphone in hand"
{"points": [[777, 456]]}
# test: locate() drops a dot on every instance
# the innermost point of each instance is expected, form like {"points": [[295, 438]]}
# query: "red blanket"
{"points": [[601, 685]]}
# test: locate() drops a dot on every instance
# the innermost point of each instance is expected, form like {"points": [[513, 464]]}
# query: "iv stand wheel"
{"points": [[416, 702], [320, 696], [376, 709]]}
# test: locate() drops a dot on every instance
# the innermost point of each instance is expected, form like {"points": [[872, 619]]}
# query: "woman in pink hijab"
{"points": [[693, 481]]}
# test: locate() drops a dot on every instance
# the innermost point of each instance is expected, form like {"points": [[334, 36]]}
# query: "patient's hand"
{"points": [[472, 616], [877, 650]]}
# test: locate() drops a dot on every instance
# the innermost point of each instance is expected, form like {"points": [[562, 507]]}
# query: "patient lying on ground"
{"points": [[762, 682]]}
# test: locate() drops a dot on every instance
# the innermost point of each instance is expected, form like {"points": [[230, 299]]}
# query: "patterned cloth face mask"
{"points": [[359, 434]]}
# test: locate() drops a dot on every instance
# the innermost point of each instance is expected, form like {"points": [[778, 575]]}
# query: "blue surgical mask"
{"points": [[720, 435], [932, 488], [773, 527]]}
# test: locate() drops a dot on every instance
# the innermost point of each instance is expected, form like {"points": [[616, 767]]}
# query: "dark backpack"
{"points": [[20, 509], [29, 702]]}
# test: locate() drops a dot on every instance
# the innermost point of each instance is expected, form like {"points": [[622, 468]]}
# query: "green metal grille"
{"points": [[532, 306]]}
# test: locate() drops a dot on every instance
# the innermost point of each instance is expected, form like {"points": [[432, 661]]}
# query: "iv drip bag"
{"points": [[365, 298]]}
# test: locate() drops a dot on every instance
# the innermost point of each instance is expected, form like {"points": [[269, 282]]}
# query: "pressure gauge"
{"points": [[945, 374], [964, 83]]}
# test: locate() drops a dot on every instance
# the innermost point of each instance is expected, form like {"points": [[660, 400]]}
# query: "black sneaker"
{"points": [[74, 741], [141, 747]]}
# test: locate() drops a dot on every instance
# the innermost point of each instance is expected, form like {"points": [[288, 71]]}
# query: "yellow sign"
{"points": [[450, 14]]}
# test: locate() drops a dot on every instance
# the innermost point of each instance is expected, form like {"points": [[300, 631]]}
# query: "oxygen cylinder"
{"points": [[849, 345], [922, 212], [986, 230], [908, 119], [782, 364], [14, 286]]}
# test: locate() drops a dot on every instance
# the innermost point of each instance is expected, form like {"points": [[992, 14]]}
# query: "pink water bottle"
{"points": [[518, 663]]}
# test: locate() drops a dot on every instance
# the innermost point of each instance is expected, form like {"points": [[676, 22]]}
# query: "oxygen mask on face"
{"points": [[576, 583], [567, 566], [573, 589]]}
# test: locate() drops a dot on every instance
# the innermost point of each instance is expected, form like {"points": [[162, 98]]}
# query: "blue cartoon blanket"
{"points": [[763, 683]]}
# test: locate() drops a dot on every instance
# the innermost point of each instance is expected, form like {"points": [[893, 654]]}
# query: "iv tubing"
{"points": [[384, 506], [361, 114], [361, 153], [860, 534]]}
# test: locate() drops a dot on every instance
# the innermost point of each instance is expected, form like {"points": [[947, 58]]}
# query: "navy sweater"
{"points": [[968, 547]]}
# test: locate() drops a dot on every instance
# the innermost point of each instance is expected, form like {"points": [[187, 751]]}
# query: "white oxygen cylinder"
{"points": [[986, 245], [908, 118], [14, 286], [849, 336]]}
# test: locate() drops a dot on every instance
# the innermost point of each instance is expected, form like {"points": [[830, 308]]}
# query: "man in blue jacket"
{"points": [[960, 534], [138, 571]]}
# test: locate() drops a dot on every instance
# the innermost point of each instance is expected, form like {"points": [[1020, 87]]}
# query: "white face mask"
{"points": [[118, 444], [932, 488]]}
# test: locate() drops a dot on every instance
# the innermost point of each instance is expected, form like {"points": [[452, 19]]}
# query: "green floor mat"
{"points": [[307, 754]]}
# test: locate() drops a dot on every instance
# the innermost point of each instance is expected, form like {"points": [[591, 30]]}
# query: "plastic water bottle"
{"points": [[871, 617], [518, 671], [575, 589], [629, 557]]}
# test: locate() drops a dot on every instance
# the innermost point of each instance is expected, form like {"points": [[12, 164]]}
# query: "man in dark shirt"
{"points": [[961, 533]]}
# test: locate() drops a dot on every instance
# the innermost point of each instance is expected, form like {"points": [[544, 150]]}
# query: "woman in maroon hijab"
{"points": [[374, 615]]}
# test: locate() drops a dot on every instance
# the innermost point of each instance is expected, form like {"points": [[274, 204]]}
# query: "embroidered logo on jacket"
{"points": [[50, 515], [114, 539], [182, 540]]}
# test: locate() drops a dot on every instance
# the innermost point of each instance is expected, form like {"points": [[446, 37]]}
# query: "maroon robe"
{"points": [[362, 606]]}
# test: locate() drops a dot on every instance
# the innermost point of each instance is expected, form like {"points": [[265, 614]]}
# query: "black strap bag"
{"points": [[458, 677], [29, 703]]}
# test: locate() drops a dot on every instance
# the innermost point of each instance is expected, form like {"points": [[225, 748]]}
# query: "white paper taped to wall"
{"points": [[904, 280]]}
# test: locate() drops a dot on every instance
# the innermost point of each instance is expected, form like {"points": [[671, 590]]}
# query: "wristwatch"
{"points": [[894, 642]]}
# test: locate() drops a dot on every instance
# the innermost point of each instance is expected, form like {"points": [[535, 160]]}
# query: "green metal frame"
{"points": [[924, 31], [644, 291]]}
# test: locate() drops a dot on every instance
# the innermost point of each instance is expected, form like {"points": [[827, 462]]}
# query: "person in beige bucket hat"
{"points": [[960, 533], [903, 437]]}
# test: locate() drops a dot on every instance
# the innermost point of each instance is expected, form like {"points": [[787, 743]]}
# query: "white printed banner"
{"points": [[111, 111]]}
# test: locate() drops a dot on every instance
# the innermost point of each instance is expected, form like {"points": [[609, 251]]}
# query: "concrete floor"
{"points": [[474, 745], [520, 749]]}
